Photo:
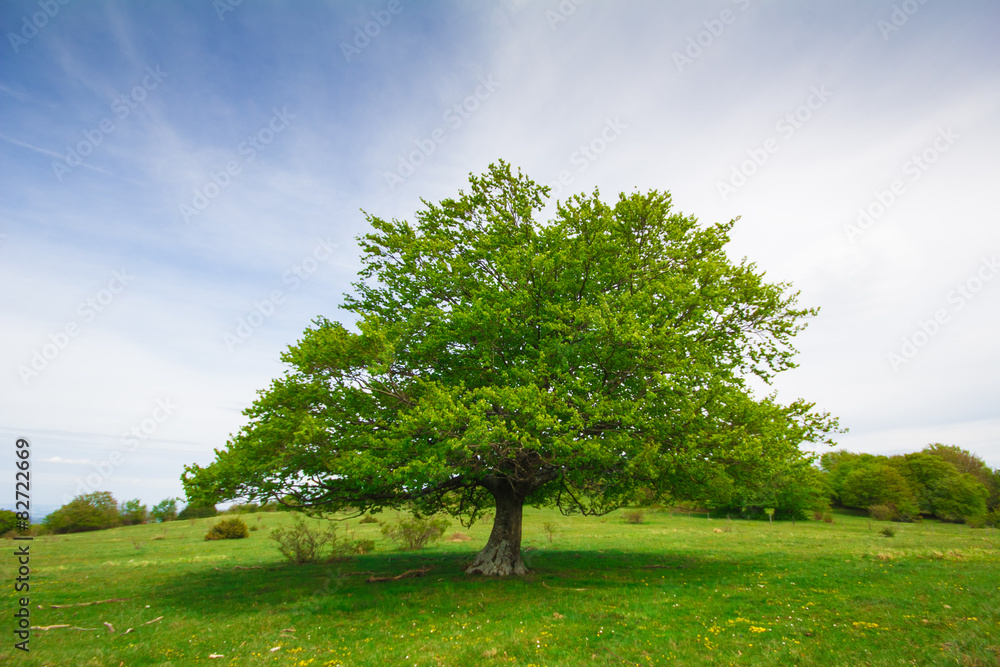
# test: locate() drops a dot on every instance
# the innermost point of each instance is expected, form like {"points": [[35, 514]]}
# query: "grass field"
{"points": [[670, 591]]}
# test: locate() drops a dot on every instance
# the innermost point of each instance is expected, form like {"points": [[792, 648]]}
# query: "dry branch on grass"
{"points": [[85, 604], [406, 575]]}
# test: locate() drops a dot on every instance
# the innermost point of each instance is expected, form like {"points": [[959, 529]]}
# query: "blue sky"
{"points": [[183, 183]]}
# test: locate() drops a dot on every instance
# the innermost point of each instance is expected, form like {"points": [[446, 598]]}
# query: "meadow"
{"points": [[676, 589]]}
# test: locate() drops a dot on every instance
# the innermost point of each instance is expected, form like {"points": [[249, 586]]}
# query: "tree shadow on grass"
{"points": [[342, 586]]}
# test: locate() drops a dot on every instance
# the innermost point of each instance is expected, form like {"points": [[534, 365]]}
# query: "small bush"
{"points": [[882, 512], [817, 516], [301, 544], [415, 532], [827, 517], [888, 531], [976, 521], [228, 529], [368, 518], [634, 516], [550, 530], [363, 546]]}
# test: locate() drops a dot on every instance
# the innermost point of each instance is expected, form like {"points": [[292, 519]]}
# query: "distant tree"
{"points": [[8, 521], [197, 511], [92, 511], [165, 510], [959, 498], [923, 472], [967, 462], [878, 483], [133, 512]]}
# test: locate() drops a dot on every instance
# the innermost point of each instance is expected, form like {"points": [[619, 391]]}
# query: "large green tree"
{"points": [[498, 361]]}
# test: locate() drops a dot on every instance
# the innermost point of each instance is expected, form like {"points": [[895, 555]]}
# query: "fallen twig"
{"points": [[153, 621], [85, 604], [110, 627], [409, 573], [53, 627], [552, 588]]}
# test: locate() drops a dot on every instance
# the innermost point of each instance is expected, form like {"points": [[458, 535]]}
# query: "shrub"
{"points": [[976, 521], [882, 512], [827, 517], [415, 532], [197, 512], [8, 521], [634, 516], [550, 529], [301, 544], [368, 518], [888, 531], [228, 529]]}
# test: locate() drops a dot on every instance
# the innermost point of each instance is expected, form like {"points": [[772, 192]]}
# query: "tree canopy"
{"points": [[497, 361]]}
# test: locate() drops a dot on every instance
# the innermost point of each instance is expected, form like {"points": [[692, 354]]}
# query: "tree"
{"points": [[92, 511], [133, 512], [165, 510], [959, 498], [8, 521], [498, 361], [967, 462], [878, 483]]}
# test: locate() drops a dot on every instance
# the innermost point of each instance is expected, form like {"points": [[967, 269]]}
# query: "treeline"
{"points": [[943, 482], [99, 510]]}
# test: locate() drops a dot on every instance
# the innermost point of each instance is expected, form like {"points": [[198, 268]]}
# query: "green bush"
{"points": [[197, 512], [882, 512], [888, 531], [8, 521], [301, 544], [165, 510], [228, 529], [368, 518], [415, 532], [634, 516]]}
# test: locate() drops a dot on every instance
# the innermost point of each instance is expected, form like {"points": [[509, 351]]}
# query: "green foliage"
{"points": [[415, 532], [573, 363], [133, 512], [228, 529], [8, 521], [876, 482], [165, 510], [197, 511], [883, 512], [634, 516], [368, 518], [92, 511], [959, 498], [888, 531], [301, 544]]}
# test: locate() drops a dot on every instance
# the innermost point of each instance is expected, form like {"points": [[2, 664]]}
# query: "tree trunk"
{"points": [[502, 554]]}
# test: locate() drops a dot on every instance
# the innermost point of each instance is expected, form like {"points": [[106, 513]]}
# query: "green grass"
{"points": [[605, 592]]}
